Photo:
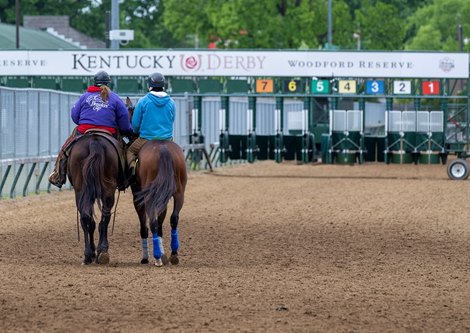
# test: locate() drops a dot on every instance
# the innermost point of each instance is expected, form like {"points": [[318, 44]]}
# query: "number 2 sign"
{"points": [[402, 87], [430, 87]]}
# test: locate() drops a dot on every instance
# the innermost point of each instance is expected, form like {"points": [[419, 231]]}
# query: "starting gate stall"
{"points": [[418, 136], [344, 142], [430, 139], [400, 128], [241, 146], [289, 147], [277, 146], [346, 137]]}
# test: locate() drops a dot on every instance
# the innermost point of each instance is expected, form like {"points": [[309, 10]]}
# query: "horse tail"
{"points": [[156, 196], [92, 171]]}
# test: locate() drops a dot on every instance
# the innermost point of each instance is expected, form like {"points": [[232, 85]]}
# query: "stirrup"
{"points": [[130, 179], [54, 181]]}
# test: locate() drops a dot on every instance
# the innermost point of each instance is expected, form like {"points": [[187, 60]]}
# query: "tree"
{"points": [[381, 27], [269, 24], [145, 17], [436, 26]]}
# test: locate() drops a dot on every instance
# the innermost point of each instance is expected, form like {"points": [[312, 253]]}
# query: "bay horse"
{"points": [[160, 176], [93, 170]]}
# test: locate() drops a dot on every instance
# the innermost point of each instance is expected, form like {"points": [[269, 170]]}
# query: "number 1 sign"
{"points": [[430, 87]]}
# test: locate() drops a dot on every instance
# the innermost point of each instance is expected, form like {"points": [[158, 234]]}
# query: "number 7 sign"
{"points": [[430, 88], [264, 86]]}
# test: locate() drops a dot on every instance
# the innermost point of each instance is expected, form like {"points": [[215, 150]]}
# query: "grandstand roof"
{"points": [[31, 39]]}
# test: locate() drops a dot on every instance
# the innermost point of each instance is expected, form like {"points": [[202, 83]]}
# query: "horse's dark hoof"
{"points": [[103, 258], [144, 261], [174, 259], [164, 259], [87, 261]]}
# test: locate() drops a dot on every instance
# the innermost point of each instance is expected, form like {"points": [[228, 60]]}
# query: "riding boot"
{"points": [[58, 176], [131, 174]]}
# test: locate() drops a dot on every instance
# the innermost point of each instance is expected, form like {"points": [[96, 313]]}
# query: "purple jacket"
{"points": [[90, 109]]}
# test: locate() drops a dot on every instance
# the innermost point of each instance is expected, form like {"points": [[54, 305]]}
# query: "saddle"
{"points": [[120, 150]]}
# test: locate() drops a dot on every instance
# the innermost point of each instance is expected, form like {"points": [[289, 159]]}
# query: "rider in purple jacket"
{"points": [[97, 108]]}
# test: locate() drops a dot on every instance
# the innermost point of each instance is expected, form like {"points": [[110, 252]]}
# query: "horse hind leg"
{"points": [[88, 227], [157, 239], [174, 219], [144, 232], [103, 245]]}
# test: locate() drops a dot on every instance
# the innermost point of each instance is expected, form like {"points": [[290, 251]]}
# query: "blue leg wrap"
{"points": [[175, 244], [157, 248]]}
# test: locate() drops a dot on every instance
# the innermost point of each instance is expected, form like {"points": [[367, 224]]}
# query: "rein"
{"points": [[114, 218], [114, 214], [78, 228]]}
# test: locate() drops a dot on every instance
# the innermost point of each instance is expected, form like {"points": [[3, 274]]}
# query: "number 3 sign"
{"points": [[375, 87]]}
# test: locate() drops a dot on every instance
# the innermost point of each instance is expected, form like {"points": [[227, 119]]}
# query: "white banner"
{"points": [[237, 63]]}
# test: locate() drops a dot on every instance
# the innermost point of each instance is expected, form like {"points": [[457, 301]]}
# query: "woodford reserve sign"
{"points": [[237, 63]]}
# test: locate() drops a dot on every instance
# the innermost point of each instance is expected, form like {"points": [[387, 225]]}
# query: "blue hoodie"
{"points": [[154, 116]]}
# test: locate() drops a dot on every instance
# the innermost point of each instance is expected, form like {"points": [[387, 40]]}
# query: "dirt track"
{"points": [[264, 248]]}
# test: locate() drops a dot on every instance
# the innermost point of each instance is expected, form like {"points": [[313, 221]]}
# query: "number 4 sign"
{"points": [[430, 88], [347, 86]]}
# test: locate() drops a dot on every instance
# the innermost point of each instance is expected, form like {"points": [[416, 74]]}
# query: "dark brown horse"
{"points": [[160, 175], [93, 171]]}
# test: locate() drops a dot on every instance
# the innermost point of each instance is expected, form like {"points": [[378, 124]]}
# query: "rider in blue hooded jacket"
{"points": [[153, 118]]}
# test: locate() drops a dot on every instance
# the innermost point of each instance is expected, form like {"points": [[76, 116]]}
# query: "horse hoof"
{"points": [[87, 260], [174, 259], [144, 261], [103, 258], [158, 263], [165, 259]]}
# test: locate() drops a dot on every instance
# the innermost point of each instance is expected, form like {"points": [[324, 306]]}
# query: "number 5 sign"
{"points": [[430, 87], [320, 86]]}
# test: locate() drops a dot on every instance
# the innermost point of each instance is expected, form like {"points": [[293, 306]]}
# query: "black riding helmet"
{"points": [[101, 78], [156, 80]]}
